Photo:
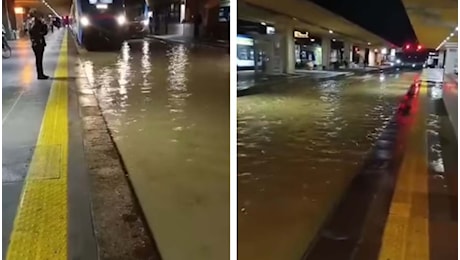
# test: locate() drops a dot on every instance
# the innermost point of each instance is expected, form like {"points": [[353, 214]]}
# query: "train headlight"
{"points": [[84, 21], [121, 19], [145, 22]]}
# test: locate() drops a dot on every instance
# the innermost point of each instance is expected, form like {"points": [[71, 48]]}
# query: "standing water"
{"points": [[168, 109], [298, 148]]}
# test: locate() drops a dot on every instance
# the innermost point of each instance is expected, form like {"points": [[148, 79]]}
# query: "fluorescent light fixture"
{"points": [[121, 19], [84, 21], [447, 38], [19, 10], [101, 6]]}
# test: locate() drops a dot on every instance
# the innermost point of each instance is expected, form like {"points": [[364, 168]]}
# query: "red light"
{"points": [[407, 46], [419, 47]]}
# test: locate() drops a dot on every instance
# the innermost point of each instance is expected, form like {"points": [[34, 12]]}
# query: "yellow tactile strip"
{"points": [[406, 234], [40, 226]]}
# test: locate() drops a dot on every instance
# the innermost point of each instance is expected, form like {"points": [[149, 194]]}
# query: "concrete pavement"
{"points": [[24, 103]]}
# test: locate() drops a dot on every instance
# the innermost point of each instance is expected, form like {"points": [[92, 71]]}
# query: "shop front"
{"points": [[307, 50]]}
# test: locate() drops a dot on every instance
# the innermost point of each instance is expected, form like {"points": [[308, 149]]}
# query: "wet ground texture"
{"points": [[299, 146], [167, 108]]}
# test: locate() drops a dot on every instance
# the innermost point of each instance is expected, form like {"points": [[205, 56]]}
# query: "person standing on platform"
{"points": [[37, 33], [151, 21], [197, 22], [51, 26]]}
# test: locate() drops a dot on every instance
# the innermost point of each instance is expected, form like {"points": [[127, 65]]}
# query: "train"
{"points": [[107, 23]]}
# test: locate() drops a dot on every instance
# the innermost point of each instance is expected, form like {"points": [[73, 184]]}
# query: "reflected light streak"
{"points": [[89, 71], [124, 70], [177, 88], [146, 68]]}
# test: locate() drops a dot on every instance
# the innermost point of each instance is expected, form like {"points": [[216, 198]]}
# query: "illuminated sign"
{"points": [[224, 3], [19, 10], [270, 30], [298, 34], [242, 40]]}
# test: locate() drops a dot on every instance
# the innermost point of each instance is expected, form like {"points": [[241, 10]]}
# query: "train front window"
{"points": [[102, 6], [135, 8]]}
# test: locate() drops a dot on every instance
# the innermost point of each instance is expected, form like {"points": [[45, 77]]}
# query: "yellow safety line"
{"points": [[40, 226], [406, 234]]}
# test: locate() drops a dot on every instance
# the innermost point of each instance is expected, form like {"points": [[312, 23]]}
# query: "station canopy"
{"points": [[433, 20], [306, 15], [52, 7]]}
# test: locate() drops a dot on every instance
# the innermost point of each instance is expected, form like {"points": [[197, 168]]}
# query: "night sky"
{"points": [[387, 19]]}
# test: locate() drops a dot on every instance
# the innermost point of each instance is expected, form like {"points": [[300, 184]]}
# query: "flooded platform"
{"points": [[167, 107], [299, 149]]}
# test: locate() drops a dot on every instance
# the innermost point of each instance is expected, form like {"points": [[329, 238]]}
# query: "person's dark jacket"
{"points": [[37, 33]]}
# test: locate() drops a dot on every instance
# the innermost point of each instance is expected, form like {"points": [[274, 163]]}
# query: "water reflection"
{"points": [[297, 150], [168, 109], [177, 88]]}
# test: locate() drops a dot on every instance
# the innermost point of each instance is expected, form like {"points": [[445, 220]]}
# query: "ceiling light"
{"points": [[312, 40], [330, 31], [19, 10], [262, 23], [452, 34], [333, 40], [368, 43]]}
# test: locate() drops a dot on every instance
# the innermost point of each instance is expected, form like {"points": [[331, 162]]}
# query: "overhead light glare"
{"points": [[19, 10]]}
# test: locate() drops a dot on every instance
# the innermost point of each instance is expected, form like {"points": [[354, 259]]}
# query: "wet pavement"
{"points": [[167, 106], [299, 146]]}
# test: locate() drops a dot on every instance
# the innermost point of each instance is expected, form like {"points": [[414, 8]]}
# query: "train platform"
{"points": [[403, 203], [49, 196], [109, 159], [354, 178], [46, 203]]}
